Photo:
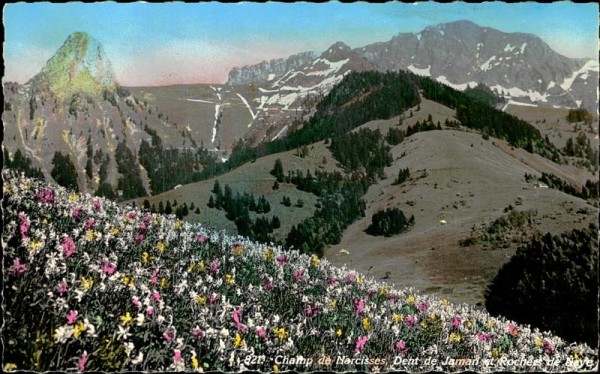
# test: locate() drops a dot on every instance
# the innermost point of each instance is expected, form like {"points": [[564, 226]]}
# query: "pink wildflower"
{"points": [[72, 317], [512, 329], [282, 260], [350, 277], [212, 299], [154, 277], [298, 274], [108, 267], [214, 266], [46, 196], [97, 205], [149, 311], [483, 337], [201, 239], [411, 321], [392, 296], [548, 348], [136, 302], [139, 237], [401, 346], [168, 335], [332, 281], [68, 246], [312, 311], [197, 333], [82, 361], [456, 321], [423, 306], [267, 284], [77, 213], [360, 344], [17, 267], [237, 317], [132, 215], [23, 225], [90, 224], [261, 332], [156, 295], [62, 288], [359, 306], [177, 356]]}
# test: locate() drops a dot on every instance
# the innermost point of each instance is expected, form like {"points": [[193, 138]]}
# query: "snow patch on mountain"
{"points": [[486, 65], [460, 87], [589, 66], [334, 67], [418, 71]]}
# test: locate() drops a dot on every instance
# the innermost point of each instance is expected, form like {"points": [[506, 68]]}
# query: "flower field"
{"points": [[91, 285]]}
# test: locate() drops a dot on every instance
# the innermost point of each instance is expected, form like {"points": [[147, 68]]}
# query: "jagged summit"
{"points": [[79, 66]]}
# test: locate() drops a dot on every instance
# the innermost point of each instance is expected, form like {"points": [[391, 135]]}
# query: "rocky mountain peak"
{"points": [[80, 66]]}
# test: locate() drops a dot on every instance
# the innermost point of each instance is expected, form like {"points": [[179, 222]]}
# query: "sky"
{"points": [[170, 43]]}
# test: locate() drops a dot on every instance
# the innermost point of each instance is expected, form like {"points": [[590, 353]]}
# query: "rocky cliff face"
{"points": [[80, 66], [268, 70], [74, 106], [520, 66]]}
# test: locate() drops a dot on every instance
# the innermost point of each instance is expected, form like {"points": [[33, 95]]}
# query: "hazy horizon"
{"points": [[176, 43]]}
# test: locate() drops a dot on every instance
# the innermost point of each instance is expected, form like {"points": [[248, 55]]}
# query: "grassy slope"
{"points": [[480, 181]]}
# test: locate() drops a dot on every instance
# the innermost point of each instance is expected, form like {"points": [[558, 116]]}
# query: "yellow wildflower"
{"points": [[397, 318], [78, 329], [178, 225], [10, 366], [200, 300], [129, 281], [164, 283], [383, 291], [433, 317], [160, 246], [7, 191], [91, 235], [25, 186], [115, 231], [338, 332], [333, 304], [410, 300], [539, 343], [200, 267], [73, 197], [358, 279], [126, 220], [496, 353], [275, 368], [315, 261], [34, 245], [366, 323], [146, 258], [455, 338], [280, 333], [238, 340], [45, 221], [445, 302], [468, 324], [155, 222], [489, 324], [575, 355], [268, 254], [195, 363], [87, 282], [126, 318], [230, 279]]}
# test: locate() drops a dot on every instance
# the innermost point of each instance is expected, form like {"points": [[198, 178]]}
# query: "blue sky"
{"points": [[151, 44]]}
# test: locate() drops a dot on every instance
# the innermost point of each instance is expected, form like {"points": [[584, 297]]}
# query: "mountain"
{"points": [[268, 70], [74, 107], [80, 66], [519, 66]]}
